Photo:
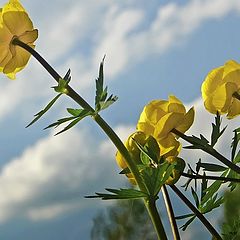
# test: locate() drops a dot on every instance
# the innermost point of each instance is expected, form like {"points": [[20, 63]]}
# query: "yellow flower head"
{"points": [[15, 23], [134, 150], [219, 88], [159, 117]]}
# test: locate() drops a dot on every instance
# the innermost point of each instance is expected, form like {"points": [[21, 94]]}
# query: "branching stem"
{"points": [[149, 203]]}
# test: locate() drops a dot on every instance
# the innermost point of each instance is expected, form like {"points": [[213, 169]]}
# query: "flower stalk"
{"points": [[149, 203], [170, 212]]}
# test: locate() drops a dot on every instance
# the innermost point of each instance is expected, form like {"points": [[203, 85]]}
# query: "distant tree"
{"points": [[124, 220], [231, 221]]}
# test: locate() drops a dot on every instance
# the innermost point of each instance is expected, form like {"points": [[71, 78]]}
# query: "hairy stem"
{"points": [[149, 203]]}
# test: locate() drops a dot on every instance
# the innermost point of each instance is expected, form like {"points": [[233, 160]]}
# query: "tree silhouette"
{"points": [[231, 222], [124, 220]]}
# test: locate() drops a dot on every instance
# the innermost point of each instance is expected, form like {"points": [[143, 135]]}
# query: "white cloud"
{"points": [[52, 176], [78, 37]]}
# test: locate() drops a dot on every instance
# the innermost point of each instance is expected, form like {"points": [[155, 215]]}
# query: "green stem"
{"points": [[170, 212], [200, 216], [149, 203], [208, 149], [198, 176], [156, 220]]}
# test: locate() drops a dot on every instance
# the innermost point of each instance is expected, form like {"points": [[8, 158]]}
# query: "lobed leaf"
{"points": [[120, 194], [216, 131], [42, 112]]}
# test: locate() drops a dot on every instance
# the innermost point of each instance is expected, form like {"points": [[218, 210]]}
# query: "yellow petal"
{"points": [[234, 109], [29, 36], [166, 124], [145, 127], [232, 72], [17, 22], [221, 98], [5, 54], [18, 62], [153, 111], [169, 146], [120, 160], [211, 82], [187, 121], [175, 105]]}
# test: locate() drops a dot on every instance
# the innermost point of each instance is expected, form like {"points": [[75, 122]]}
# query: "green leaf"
{"points": [[184, 216], [154, 178], [211, 167], [198, 142], [59, 122], [70, 125], [233, 174], [120, 194], [42, 112], [77, 112], [195, 196], [101, 100], [211, 204], [184, 227], [203, 186], [235, 142], [74, 120], [62, 86], [237, 158], [216, 132], [103, 105], [212, 189]]}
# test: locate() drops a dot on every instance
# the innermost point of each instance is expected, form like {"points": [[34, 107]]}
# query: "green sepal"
{"points": [[62, 86], [119, 194]]}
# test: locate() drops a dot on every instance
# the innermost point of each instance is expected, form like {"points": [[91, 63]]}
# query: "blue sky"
{"points": [[153, 50]]}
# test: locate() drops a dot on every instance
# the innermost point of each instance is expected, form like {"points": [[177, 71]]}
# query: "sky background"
{"points": [[153, 49]]}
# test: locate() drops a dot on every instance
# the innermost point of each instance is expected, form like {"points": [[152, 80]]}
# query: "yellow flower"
{"points": [[135, 152], [160, 117], [15, 23], [220, 87]]}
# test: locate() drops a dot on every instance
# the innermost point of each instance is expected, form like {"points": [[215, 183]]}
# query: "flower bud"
{"points": [[134, 151]]}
